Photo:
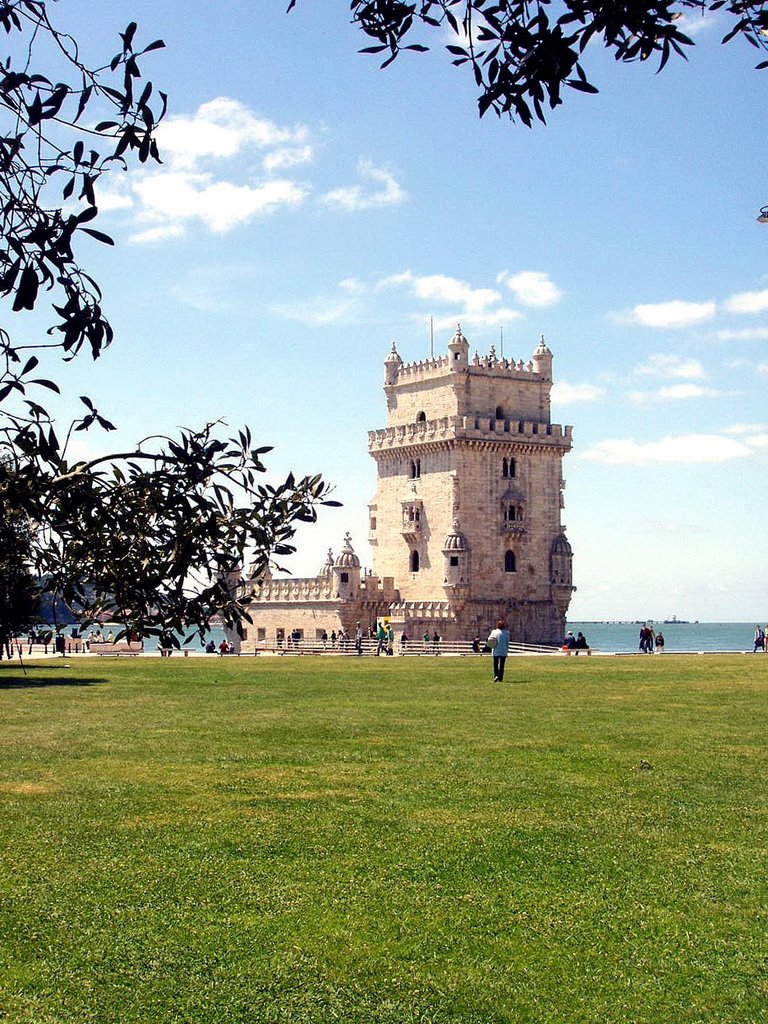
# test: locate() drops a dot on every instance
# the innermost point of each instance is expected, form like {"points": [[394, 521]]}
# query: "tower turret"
{"points": [[346, 571], [561, 563], [327, 568], [542, 360], [456, 556], [458, 347], [392, 365]]}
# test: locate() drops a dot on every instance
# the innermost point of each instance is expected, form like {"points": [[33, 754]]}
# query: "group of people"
{"points": [[340, 639], [575, 644], [761, 640], [650, 640], [434, 639], [225, 647]]}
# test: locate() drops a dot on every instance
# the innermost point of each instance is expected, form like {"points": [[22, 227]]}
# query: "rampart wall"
{"points": [[472, 427]]}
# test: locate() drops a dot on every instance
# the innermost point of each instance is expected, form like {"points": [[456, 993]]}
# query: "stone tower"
{"points": [[466, 517]]}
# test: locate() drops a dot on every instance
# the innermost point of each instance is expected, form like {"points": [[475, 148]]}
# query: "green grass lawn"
{"points": [[386, 841]]}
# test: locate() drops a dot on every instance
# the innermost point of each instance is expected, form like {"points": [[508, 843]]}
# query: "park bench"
{"points": [[122, 648]]}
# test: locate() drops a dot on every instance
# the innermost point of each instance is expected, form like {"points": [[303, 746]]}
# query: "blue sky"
{"points": [[312, 209]]}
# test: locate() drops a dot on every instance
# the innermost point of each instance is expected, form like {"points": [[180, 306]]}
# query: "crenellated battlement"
{"points": [[488, 365], [423, 368], [315, 588], [473, 428]]}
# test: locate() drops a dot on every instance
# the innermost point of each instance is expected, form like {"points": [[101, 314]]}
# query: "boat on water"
{"points": [[674, 621]]}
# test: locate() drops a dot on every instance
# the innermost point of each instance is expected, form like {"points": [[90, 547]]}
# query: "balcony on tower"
{"points": [[513, 512], [413, 517]]}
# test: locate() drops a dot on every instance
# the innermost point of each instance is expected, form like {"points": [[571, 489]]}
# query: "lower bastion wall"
{"points": [[311, 607]]}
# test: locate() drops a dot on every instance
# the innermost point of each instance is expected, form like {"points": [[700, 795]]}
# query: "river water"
{"points": [[624, 637]]}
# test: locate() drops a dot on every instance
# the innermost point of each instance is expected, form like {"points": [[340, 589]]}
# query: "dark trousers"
{"points": [[498, 666]]}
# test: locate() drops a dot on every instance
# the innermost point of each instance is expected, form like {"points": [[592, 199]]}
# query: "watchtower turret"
{"points": [[392, 365], [458, 348], [346, 571], [542, 360], [457, 566]]}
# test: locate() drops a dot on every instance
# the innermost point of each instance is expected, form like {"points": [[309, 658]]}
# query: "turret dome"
{"points": [[541, 348], [455, 541], [327, 568], [561, 546], [347, 559], [392, 365]]}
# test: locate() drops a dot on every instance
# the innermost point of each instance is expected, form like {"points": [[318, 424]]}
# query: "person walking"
{"points": [[498, 641], [381, 640]]}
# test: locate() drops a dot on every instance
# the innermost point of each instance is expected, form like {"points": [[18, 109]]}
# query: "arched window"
{"points": [[417, 468], [505, 468], [499, 413], [512, 468], [414, 561], [511, 513], [421, 418], [509, 561]]}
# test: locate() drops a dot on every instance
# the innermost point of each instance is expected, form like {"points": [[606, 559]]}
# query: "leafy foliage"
{"points": [[522, 52], [18, 591], [150, 537]]}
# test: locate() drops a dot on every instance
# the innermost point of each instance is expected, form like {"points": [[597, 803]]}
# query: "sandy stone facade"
{"points": [[465, 523]]}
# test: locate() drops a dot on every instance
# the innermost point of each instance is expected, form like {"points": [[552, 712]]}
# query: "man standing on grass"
{"points": [[498, 641]]}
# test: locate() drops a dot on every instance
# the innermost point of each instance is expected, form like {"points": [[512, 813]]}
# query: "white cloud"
{"points": [[676, 392], [674, 315], [206, 178], [688, 449], [201, 179], [565, 394], [283, 158], [448, 299], [694, 24], [475, 320], [353, 285], [531, 287], [220, 129], [113, 200], [762, 369], [318, 312], [220, 205], [757, 441], [440, 288], [748, 302], [663, 365], [387, 192], [745, 428], [744, 334], [158, 234]]}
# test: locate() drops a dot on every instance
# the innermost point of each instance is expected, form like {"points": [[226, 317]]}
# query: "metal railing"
{"points": [[413, 648]]}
